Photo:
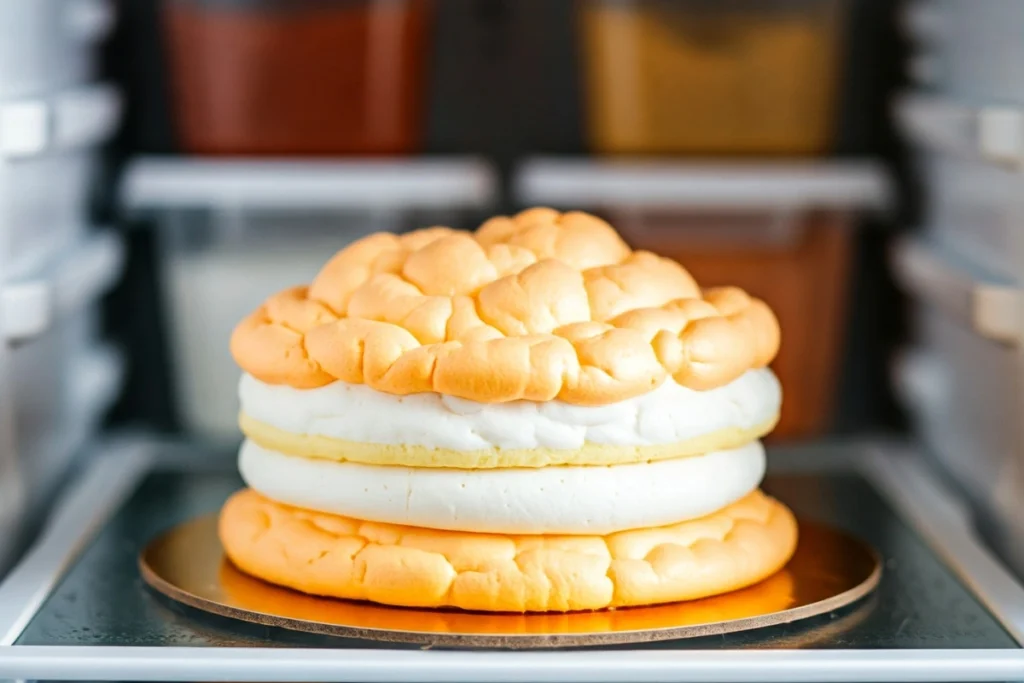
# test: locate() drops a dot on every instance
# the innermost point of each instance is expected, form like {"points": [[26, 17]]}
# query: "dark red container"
{"points": [[298, 77]]}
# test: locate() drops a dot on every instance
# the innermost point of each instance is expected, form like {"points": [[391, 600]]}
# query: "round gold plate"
{"points": [[829, 570]]}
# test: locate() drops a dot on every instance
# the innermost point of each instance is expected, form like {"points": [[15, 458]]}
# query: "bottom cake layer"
{"points": [[339, 557]]}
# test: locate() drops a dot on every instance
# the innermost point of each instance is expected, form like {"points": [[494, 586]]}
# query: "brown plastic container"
{"points": [[711, 76], [798, 264], [298, 77]]}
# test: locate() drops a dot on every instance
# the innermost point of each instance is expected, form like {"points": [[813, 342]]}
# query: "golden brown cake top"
{"points": [[540, 306]]}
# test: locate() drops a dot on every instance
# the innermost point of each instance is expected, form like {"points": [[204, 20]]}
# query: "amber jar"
{"points": [[741, 77], [298, 77]]}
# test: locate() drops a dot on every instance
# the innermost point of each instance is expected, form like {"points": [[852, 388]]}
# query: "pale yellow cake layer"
{"points": [[340, 557], [407, 455]]}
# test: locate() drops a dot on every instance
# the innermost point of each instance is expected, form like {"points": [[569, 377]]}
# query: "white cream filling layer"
{"points": [[548, 500], [354, 412]]}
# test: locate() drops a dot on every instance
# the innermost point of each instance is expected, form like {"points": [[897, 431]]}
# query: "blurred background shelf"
{"points": [[371, 184], [695, 184]]}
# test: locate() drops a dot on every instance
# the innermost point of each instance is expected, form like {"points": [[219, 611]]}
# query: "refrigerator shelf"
{"points": [[259, 184], [693, 185], [76, 608]]}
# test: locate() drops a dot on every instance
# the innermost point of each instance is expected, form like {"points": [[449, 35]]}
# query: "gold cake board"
{"points": [[829, 570]]}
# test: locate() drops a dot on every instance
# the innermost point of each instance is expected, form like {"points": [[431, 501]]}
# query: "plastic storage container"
{"points": [[213, 276], [711, 76], [233, 232], [298, 76], [798, 264], [46, 45]]}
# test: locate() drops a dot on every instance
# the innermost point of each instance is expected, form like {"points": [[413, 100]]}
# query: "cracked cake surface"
{"points": [[335, 556], [540, 306]]}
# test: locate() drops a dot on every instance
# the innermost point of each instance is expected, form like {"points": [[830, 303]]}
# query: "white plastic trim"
{"points": [[993, 133], [1001, 134], [23, 128], [430, 666], [72, 118], [24, 309]]}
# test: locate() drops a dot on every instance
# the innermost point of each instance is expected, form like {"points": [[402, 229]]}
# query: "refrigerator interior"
{"points": [[166, 165]]}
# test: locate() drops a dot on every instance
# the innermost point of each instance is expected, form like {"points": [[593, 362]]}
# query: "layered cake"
{"points": [[528, 417]]}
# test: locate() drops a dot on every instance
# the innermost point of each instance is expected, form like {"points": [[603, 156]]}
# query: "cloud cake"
{"points": [[529, 417]]}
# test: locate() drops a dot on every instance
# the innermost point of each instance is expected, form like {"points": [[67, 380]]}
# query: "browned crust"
{"points": [[338, 557], [536, 307]]}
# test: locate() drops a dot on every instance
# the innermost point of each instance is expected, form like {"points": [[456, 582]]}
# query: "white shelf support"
{"points": [[29, 306], [73, 118], [992, 308], [991, 133]]}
